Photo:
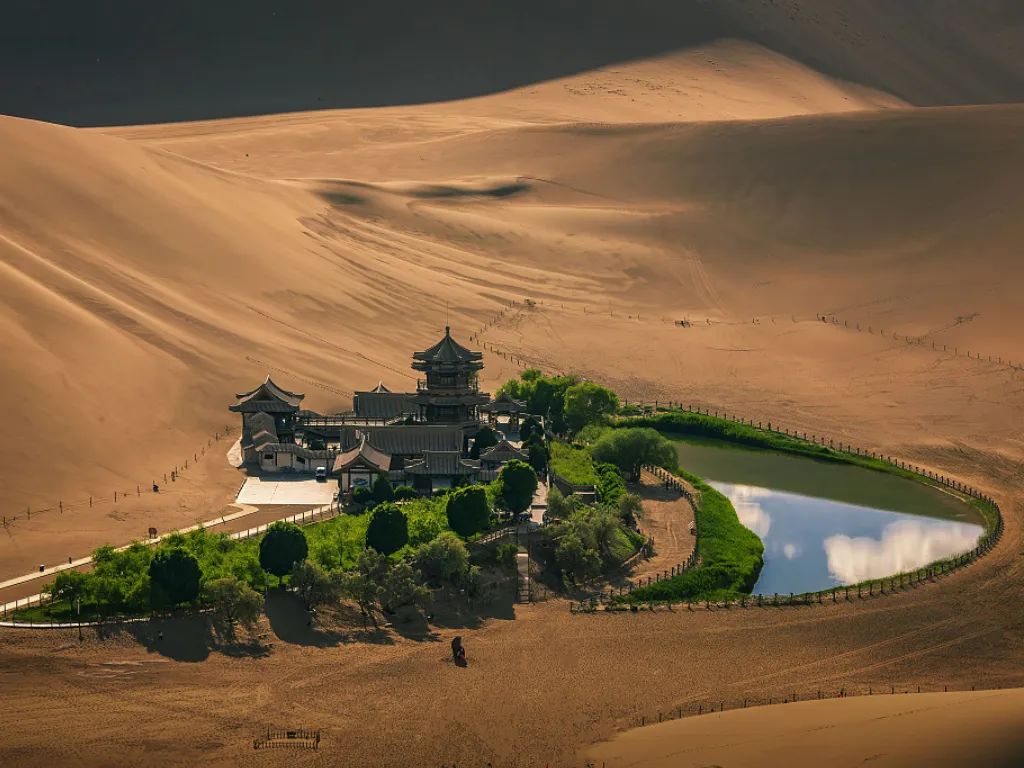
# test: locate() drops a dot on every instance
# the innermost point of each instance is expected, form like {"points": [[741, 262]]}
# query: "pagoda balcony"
{"points": [[422, 385]]}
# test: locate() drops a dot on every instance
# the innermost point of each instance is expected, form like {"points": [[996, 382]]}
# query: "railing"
{"points": [[296, 738]]}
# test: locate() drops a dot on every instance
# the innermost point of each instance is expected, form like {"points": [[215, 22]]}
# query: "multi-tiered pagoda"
{"points": [[419, 438], [449, 393]]}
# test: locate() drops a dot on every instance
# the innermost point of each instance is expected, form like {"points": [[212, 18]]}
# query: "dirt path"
{"points": [[667, 518]]}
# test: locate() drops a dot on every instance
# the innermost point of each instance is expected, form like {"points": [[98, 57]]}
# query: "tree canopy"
{"points": [[588, 403], [518, 484], [443, 559], [388, 530], [485, 438], [174, 576], [544, 395], [282, 547], [467, 510], [629, 449], [234, 601], [313, 584]]}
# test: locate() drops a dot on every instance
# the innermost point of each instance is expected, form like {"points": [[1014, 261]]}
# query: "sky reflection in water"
{"points": [[814, 543]]}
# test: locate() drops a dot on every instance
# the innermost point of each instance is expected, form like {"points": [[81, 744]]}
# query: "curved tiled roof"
{"points": [[442, 464], [363, 453], [503, 451], [447, 350], [269, 391]]}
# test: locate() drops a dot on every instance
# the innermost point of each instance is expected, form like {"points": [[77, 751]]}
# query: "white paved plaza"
{"points": [[286, 489]]}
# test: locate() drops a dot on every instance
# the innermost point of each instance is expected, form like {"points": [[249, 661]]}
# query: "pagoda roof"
{"points": [[442, 464], [446, 351], [415, 439], [365, 455], [382, 404], [502, 452], [503, 403], [268, 392], [380, 389]]}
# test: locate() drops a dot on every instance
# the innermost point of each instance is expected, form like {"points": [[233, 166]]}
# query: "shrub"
{"points": [[559, 505], [610, 485], [588, 403], [444, 559], [388, 531], [631, 508], [505, 555], [630, 448], [362, 495], [382, 490], [174, 577], [405, 493], [467, 510], [518, 484], [281, 548]]}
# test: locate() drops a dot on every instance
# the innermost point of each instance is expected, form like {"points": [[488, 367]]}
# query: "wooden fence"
{"points": [[721, 704], [293, 738], [869, 589]]}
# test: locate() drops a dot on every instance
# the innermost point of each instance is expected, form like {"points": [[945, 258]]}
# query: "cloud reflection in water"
{"points": [[904, 546]]}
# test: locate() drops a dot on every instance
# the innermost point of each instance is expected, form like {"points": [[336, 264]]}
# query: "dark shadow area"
{"points": [[189, 638], [124, 62], [290, 622]]}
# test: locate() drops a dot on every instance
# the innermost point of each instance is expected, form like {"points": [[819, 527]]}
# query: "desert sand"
{"points": [[953, 729], [837, 162]]}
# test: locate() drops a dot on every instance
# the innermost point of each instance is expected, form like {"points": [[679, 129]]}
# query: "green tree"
{"points": [[588, 403], [443, 559], [518, 484], [313, 585], [485, 438], [529, 429], [401, 586], [362, 495], [234, 601], [467, 510], [71, 586], [388, 530], [576, 560], [382, 490], [538, 455], [560, 507], [281, 548], [629, 449], [174, 576], [363, 591], [631, 508]]}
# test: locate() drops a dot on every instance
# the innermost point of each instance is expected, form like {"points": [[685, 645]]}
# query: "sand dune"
{"points": [[947, 729], [128, 64], [147, 279]]}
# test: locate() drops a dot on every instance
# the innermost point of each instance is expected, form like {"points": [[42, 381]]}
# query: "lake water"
{"points": [[827, 524]]}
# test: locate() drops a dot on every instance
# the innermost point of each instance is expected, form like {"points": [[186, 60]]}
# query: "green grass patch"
{"points": [[731, 555], [574, 465]]}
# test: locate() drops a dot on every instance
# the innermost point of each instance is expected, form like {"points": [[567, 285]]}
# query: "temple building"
{"points": [[420, 438]]}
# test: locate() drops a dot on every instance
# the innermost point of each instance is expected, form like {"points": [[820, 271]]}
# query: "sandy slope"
{"points": [[145, 280], [947, 729], [147, 273]]}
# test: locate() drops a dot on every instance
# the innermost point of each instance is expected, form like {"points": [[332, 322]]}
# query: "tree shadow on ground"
{"points": [[496, 601], [187, 638], [291, 623]]}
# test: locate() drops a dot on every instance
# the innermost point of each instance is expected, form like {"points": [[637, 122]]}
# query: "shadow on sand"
{"points": [[290, 622]]}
